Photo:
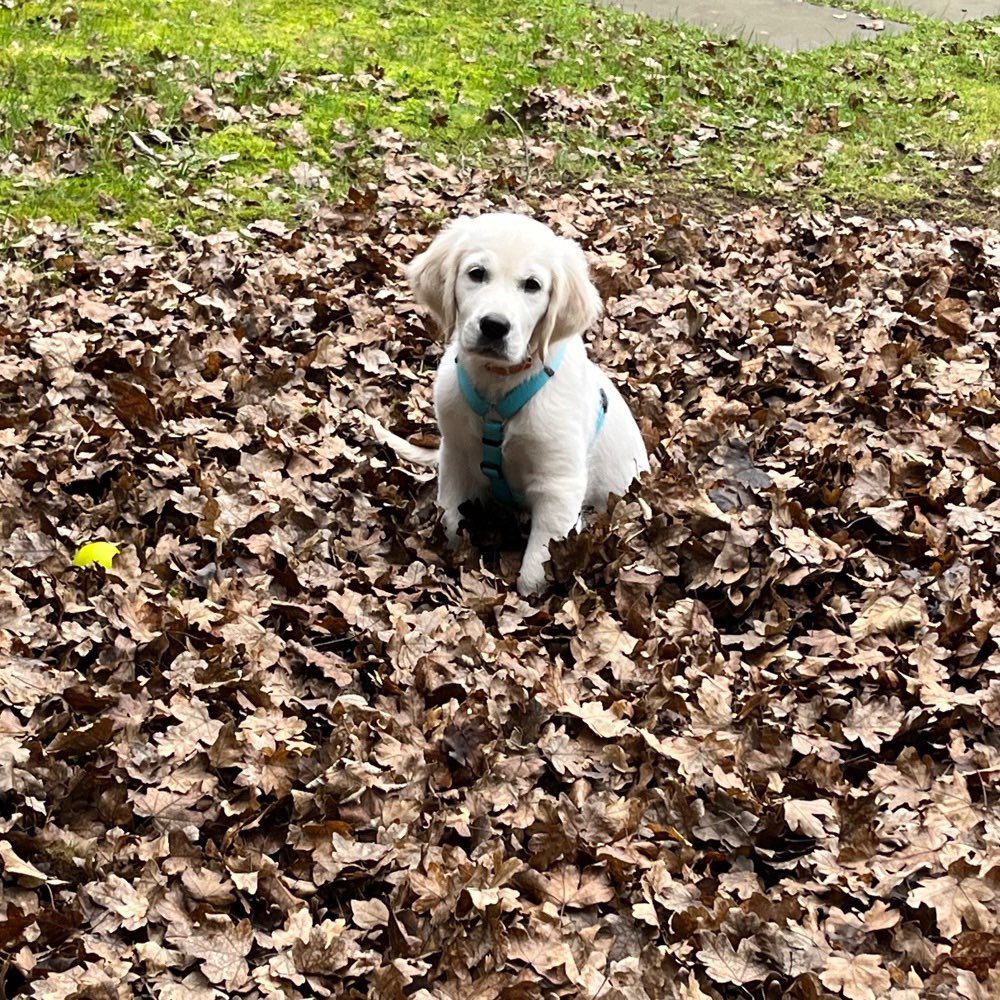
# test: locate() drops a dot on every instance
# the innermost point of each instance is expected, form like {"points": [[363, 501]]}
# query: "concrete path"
{"points": [[953, 10], [794, 25]]}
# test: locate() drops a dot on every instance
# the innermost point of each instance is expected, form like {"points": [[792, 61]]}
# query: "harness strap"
{"points": [[495, 415], [518, 397]]}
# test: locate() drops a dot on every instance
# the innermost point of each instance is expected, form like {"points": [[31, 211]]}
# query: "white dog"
{"points": [[524, 415]]}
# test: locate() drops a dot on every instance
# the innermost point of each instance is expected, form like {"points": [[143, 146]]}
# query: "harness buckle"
{"points": [[492, 432]]}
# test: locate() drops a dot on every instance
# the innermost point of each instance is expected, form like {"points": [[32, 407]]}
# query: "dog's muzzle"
{"points": [[492, 338]]}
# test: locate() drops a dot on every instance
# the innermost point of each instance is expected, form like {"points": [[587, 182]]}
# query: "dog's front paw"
{"points": [[531, 580], [452, 521]]}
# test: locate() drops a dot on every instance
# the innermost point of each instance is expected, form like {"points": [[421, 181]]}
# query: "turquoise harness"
{"points": [[495, 415]]}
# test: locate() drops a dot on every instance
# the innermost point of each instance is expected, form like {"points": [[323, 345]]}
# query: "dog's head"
{"points": [[505, 286]]}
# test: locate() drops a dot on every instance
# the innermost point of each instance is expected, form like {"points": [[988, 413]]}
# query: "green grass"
{"points": [[213, 112]]}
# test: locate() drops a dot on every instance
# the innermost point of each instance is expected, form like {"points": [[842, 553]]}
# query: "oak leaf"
{"points": [[805, 815]]}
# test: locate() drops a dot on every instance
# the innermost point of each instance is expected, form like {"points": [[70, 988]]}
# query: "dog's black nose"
{"points": [[494, 327]]}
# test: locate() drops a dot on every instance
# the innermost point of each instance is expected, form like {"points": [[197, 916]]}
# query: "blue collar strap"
{"points": [[495, 415]]}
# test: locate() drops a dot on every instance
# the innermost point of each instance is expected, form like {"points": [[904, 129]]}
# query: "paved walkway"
{"points": [[794, 25]]}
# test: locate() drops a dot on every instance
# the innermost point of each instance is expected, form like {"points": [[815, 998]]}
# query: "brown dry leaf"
{"points": [[569, 886], [889, 614], [16, 868], [806, 816], [222, 948], [119, 896], [603, 642], [873, 723], [207, 886], [369, 913], [956, 902], [605, 722], [726, 964], [952, 317], [857, 977]]}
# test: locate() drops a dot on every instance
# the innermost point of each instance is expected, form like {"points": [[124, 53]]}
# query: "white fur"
{"points": [[488, 267]]}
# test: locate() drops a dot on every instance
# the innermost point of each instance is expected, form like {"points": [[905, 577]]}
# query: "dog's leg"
{"points": [[458, 481], [554, 513]]}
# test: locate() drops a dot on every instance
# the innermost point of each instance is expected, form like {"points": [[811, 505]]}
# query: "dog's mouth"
{"points": [[494, 352], [491, 351]]}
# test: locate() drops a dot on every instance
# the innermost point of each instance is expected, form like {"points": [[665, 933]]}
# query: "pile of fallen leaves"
{"points": [[289, 746]]}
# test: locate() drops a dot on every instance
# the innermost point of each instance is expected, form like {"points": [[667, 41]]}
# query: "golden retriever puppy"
{"points": [[525, 416]]}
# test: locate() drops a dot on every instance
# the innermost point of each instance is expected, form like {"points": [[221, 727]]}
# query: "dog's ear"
{"points": [[574, 302], [432, 274]]}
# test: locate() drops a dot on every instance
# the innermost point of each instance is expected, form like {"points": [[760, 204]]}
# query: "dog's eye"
{"points": [[532, 285], [477, 274]]}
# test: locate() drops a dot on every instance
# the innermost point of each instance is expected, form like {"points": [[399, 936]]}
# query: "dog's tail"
{"points": [[409, 452]]}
